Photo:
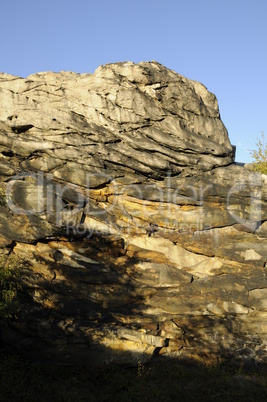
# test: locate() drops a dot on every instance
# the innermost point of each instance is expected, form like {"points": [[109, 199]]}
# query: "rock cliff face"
{"points": [[133, 230]]}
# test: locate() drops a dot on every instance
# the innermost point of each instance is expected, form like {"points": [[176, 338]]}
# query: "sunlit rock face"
{"points": [[133, 231]]}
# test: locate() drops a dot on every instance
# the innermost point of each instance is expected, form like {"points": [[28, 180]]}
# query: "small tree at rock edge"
{"points": [[259, 154]]}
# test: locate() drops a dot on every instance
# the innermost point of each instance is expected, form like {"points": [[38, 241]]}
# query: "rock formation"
{"points": [[133, 231]]}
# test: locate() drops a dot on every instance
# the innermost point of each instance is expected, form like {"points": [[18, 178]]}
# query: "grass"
{"points": [[21, 380]]}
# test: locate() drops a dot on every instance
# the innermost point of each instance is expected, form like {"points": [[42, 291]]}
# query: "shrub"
{"points": [[259, 155], [8, 292]]}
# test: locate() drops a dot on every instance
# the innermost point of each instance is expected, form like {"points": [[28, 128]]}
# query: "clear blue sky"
{"points": [[221, 43]]}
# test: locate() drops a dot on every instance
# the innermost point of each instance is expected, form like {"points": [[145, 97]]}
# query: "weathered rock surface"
{"points": [[133, 231]]}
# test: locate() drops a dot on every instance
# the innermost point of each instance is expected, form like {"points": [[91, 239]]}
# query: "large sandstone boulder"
{"points": [[133, 231], [141, 118]]}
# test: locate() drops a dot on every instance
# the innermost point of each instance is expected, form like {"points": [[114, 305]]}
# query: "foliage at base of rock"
{"points": [[8, 292]]}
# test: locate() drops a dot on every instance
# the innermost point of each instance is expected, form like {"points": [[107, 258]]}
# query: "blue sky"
{"points": [[221, 43]]}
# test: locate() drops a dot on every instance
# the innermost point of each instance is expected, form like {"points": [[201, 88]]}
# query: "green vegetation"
{"points": [[8, 291], [21, 380], [259, 155], [2, 197]]}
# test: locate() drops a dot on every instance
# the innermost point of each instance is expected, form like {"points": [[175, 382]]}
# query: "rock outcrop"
{"points": [[133, 231]]}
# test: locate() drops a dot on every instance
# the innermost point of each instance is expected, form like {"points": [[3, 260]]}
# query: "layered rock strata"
{"points": [[133, 231]]}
